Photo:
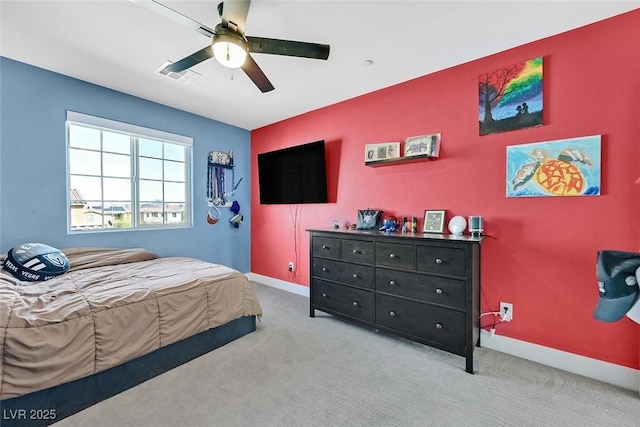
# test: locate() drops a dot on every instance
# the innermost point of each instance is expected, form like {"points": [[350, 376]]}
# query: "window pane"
{"points": [[116, 142], [117, 189], [174, 213], [84, 162], [87, 187], [86, 216], [151, 213], [150, 191], [117, 165], [83, 137], [174, 171], [174, 152], [174, 192], [117, 215], [150, 168], [150, 148]]}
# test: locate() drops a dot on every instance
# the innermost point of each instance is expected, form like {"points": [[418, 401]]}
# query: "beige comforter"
{"points": [[112, 306]]}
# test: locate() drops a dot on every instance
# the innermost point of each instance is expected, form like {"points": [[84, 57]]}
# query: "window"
{"points": [[122, 176]]}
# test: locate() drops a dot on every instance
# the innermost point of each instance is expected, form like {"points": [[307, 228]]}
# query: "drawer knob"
{"points": [[325, 247], [392, 282], [438, 325], [438, 261], [392, 313], [324, 268], [355, 303], [439, 291], [392, 255], [324, 295], [355, 276], [355, 251]]}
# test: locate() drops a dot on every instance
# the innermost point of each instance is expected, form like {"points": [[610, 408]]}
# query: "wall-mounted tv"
{"points": [[293, 175]]}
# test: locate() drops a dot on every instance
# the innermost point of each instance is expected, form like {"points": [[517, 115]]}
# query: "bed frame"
{"points": [[47, 406]]}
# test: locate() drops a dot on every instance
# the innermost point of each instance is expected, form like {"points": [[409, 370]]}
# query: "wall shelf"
{"points": [[218, 165], [400, 160]]}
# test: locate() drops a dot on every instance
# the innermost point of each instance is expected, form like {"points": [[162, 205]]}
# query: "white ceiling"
{"points": [[120, 45]]}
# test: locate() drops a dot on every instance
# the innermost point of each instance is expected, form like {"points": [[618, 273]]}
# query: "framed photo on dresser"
{"points": [[433, 222]]}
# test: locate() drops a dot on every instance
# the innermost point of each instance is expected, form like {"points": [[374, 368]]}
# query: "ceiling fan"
{"points": [[229, 44]]}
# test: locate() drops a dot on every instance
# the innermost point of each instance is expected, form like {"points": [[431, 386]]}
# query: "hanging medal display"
{"points": [[220, 183]]}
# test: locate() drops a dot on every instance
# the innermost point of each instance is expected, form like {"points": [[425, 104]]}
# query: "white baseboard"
{"points": [[280, 284], [610, 373]]}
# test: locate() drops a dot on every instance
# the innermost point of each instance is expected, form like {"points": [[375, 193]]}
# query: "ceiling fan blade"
{"points": [[191, 60], [251, 68], [235, 12], [175, 16], [288, 48]]}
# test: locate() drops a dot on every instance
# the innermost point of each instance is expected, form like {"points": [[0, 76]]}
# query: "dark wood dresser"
{"points": [[424, 287]]}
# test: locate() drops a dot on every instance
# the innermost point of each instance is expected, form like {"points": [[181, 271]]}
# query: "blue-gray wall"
{"points": [[33, 199]]}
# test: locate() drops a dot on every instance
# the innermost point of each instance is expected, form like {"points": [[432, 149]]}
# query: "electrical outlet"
{"points": [[506, 311], [290, 265]]}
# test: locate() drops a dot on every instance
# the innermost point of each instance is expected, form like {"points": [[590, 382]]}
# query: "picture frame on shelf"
{"points": [[381, 151], [428, 145], [433, 221]]}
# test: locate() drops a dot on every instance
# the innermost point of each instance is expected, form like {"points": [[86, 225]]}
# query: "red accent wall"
{"points": [[541, 252]]}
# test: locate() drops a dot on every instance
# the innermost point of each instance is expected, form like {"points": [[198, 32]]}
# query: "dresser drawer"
{"points": [[449, 292], [434, 259], [395, 255], [422, 321], [327, 247], [344, 272], [357, 251], [352, 302]]}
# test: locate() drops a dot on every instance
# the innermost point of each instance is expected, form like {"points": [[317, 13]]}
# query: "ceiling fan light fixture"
{"points": [[229, 50]]}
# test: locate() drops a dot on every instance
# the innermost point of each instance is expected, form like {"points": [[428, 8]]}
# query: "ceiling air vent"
{"points": [[184, 77]]}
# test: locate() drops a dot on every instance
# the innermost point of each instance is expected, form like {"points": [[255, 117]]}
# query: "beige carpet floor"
{"points": [[301, 371]]}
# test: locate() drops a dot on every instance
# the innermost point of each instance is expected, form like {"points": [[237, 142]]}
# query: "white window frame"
{"points": [[135, 132]]}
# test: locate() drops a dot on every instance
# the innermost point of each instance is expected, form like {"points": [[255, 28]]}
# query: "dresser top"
{"points": [[399, 234]]}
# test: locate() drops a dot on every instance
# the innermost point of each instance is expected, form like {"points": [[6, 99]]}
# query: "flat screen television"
{"points": [[293, 175]]}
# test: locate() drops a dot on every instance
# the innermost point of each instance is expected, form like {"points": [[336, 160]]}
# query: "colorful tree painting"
{"points": [[510, 98]]}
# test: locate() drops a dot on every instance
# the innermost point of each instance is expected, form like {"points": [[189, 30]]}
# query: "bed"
{"points": [[117, 318]]}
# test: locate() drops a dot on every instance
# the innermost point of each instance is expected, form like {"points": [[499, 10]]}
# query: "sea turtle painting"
{"points": [[560, 168]]}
